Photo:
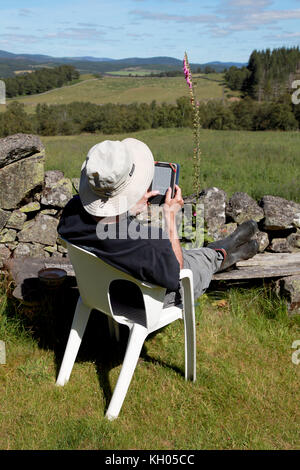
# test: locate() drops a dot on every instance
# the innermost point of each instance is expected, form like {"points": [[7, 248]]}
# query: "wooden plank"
{"points": [[256, 272], [271, 259]]}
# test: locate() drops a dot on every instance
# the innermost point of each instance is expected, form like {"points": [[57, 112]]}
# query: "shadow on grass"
{"points": [[48, 322]]}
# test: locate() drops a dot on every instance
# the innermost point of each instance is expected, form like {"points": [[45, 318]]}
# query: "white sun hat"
{"points": [[114, 176]]}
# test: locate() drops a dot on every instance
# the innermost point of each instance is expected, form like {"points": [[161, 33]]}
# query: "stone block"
{"points": [[7, 235], [33, 250], [49, 211], [221, 231], [52, 177], [16, 220], [262, 240], [4, 254], [51, 249], [4, 216], [290, 289], [280, 245], [42, 229], [18, 179], [242, 207], [213, 202], [19, 146], [296, 220], [58, 194], [280, 214], [293, 241], [33, 206]]}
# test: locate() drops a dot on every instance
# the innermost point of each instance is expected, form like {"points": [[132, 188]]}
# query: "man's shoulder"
{"points": [[74, 204]]}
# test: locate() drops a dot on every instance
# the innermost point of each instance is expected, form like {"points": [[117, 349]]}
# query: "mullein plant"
{"points": [[196, 126], [194, 231]]}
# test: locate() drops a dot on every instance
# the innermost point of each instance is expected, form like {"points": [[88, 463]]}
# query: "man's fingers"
{"points": [[178, 194], [149, 194], [168, 195], [178, 191]]}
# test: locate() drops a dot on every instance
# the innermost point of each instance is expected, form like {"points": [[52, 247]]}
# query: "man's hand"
{"points": [[175, 204], [170, 208], [141, 205]]}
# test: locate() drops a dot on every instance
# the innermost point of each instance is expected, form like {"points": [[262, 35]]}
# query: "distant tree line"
{"points": [[77, 117], [268, 74], [40, 81], [178, 73], [168, 73]]}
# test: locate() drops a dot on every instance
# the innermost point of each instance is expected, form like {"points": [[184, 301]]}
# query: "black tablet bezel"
{"points": [[159, 199]]}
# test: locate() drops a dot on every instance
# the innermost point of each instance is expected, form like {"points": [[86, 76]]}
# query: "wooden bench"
{"points": [[264, 265], [280, 267]]}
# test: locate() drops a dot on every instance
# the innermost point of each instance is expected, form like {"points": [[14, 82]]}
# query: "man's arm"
{"points": [[170, 208]]}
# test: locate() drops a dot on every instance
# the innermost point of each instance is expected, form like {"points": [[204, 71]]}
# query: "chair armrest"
{"points": [[186, 277], [186, 273]]}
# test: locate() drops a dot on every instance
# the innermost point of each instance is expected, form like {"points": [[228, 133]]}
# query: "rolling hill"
{"points": [[10, 63], [126, 90]]}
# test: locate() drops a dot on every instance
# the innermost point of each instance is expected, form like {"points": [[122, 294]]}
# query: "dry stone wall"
{"points": [[278, 219], [31, 202]]}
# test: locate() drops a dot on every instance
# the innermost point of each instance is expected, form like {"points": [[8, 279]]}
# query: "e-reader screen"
{"points": [[162, 179]]}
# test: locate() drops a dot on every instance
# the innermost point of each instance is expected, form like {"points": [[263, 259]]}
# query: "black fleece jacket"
{"points": [[145, 252]]}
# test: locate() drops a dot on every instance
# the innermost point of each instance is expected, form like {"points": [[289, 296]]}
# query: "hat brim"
{"points": [[137, 186]]}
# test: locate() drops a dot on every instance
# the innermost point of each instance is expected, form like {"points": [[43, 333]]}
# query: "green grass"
{"points": [[245, 396], [124, 90], [258, 163], [247, 388], [133, 71]]}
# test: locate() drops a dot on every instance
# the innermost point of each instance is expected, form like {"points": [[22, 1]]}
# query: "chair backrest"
{"points": [[113, 292]]}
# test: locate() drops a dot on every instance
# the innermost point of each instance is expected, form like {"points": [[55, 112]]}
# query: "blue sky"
{"points": [[224, 30]]}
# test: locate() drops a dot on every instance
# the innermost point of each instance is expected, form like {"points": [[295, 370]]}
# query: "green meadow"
{"points": [[258, 163], [125, 90], [246, 396]]}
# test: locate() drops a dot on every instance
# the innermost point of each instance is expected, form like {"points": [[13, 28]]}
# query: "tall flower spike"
{"points": [[196, 125]]}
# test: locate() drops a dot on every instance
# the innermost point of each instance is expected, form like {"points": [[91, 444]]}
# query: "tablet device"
{"points": [[165, 175]]}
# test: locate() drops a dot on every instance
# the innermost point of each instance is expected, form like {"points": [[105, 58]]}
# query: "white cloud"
{"points": [[218, 32], [146, 15], [88, 25], [289, 35], [251, 14], [80, 34], [231, 16], [25, 12], [23, 38], [282, 36]]}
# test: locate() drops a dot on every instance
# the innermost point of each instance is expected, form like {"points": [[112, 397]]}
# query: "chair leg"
{"points": [[190, 345], [114, 329], [136, 340], [80, 320]]}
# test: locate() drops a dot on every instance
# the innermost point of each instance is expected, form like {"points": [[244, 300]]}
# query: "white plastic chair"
{"points": [[100, 286]]}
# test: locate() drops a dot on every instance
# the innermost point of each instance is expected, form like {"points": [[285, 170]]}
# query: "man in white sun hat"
{"points": [[114, 188]]}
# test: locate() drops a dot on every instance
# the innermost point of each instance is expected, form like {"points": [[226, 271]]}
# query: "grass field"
{"points": [[245, 397], [258, 163], [139, 71], [247, 391], [125, 90]]}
